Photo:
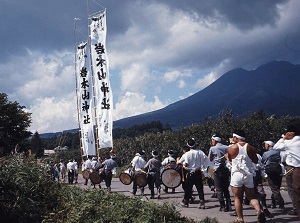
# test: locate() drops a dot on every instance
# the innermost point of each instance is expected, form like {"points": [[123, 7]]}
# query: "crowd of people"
{"points": [[237, 166], [61, 171], [104, 170]]}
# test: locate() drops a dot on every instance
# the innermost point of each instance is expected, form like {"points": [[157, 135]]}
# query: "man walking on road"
{"points": [[271, 160], [290, 143], [242, 154], [193, 160], [221, 172]]}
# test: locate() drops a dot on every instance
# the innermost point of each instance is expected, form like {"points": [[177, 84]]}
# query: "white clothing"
{"points": [[75, 167], [168, 160], [62, 167], [70, 166], [138, 163], [95, 164], [239, 179], [291, 148], [87, 165], [195, 159], [242, 168]]}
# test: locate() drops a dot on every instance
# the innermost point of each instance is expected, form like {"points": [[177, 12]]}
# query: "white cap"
{"points": [[270, 143]]}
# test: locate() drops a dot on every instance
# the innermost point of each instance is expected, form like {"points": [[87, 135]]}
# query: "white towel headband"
{"points": [[239, 137]]}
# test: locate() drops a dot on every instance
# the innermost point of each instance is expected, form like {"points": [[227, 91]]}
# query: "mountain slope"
{"points": [[273, 88]]}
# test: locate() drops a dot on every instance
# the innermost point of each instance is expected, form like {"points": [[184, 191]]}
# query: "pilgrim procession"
{"points": [[240, 177], [216, 170]]}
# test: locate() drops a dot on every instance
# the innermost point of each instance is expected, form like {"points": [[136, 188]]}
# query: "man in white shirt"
{"points": [[71, 171], [87, 165], [75, 171], [169, 162], [290, 143], [192, 161], [137, 163]]}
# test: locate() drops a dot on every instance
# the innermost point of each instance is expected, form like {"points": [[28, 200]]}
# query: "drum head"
{"points": [[85, 174], [95, 178], [171, 178], [125, 178], [141, 179]]}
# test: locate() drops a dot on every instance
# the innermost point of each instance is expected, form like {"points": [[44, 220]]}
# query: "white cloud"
{"points": [[135, 78], [205, 81], [171, 76], [134, 103], [181, 84], [45, 84], [54, 114]]}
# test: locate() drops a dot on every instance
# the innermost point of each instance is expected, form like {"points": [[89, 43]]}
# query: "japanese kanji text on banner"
{"points": [[85, 102], [102, 88]]}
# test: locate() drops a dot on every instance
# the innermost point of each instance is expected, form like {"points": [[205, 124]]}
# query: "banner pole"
{"points": [[76, 82], [93, 83]]}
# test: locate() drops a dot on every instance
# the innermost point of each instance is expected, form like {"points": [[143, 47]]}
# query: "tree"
{"points": [[36, 145], [14, 121]]}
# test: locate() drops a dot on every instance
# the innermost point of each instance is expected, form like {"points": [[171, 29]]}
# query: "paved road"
{"points": [[212, 208]]}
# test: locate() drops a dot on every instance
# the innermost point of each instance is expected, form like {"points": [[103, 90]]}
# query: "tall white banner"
{"points": [[102, 88], [85, 102]]}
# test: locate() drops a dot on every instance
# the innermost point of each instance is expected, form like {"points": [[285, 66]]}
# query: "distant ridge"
{"points": [[57, 134], [272, 87]]}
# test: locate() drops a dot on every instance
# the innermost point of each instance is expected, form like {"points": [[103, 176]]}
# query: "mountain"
{"points": [[57, 134], [272, 87]]}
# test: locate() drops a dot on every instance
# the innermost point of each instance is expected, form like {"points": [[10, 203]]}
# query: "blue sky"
{"points": [[159, 51]]}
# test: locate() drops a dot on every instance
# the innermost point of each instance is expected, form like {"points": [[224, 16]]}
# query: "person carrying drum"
{"points": [[221, 172], [169, 162], [95, 166], [137, 163], [192, 161], [153, 167], [108, 165], [86, 166]]}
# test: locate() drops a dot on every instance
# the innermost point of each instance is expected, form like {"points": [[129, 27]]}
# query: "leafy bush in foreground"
{"points": [[28, 194], [27, 190]]}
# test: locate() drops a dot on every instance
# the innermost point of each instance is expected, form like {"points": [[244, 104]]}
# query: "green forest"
{"points": [[155, 136]]}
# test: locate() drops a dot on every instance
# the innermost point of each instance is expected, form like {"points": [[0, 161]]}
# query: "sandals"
{"points": [[237, 221], [261, 218]]}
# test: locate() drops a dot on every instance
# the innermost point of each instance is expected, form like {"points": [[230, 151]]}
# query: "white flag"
{"points": [[100, 67], [85, 102]]}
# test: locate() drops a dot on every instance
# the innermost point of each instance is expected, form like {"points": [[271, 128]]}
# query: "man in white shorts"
{"points": [[241, 155]]}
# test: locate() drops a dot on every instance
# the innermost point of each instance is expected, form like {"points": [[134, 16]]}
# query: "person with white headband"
{"points": [[271, 160], [221, 172], [242, 154], [137, 163], [290, 143]]}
